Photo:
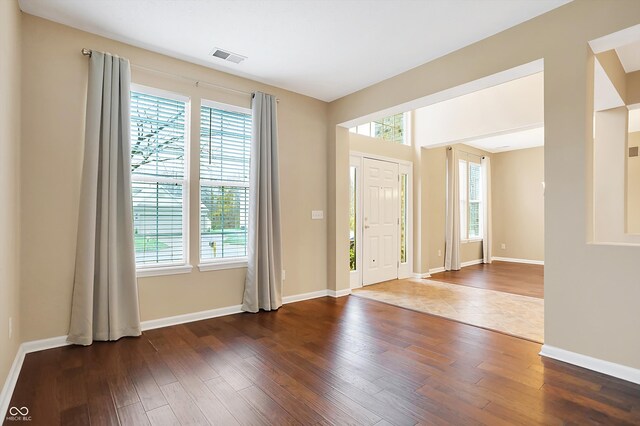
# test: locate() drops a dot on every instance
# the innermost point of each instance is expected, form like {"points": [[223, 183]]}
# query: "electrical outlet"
{"points": [[503, 246], [283, 274], [10, 327], [439, 253], [317, 214]]}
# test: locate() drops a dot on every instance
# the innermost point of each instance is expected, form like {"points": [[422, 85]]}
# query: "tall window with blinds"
{"points": [[470, 200], [225, 147], [158, 170]]}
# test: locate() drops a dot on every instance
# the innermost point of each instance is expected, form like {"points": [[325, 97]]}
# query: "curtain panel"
{"points": [[263, 285], [105, 292]]}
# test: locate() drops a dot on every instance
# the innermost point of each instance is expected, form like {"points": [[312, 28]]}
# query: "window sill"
{"points": [[163, 270], [472, 240], [216, 266]]}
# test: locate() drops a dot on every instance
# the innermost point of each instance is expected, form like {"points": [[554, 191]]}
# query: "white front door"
{"points": [[380, 220]]}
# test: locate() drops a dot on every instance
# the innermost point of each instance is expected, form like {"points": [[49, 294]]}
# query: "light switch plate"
{"points": [[317, 214]]}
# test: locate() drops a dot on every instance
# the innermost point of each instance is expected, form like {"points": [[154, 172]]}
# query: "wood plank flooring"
{"points": [[516, 278], [323, 361]]}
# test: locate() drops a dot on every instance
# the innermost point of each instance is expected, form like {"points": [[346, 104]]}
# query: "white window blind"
{"points": [[475, 199], [225, 147], [470, 200], [158, 135]]}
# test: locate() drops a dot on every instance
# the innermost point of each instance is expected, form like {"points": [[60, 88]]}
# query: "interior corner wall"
{"points": [[518, 203], [54, 99], [10, 22], [591, 291]]}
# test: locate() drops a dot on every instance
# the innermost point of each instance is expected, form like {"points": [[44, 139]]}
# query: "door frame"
{"points": [[405, 270]]}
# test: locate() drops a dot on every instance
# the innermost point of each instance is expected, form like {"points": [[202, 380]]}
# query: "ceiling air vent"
{"points": [[227, 56]]}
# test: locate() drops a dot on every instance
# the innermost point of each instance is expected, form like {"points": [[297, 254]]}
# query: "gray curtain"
{"points": [[486, 216], [105, 293], [452, 221], [263, 285]]}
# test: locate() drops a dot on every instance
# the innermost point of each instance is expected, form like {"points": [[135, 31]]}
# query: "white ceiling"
{"points": [[528, 138], [321, 48], [629, 56]]}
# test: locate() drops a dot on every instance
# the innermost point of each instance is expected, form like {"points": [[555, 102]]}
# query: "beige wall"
{"points": [[633, 186], [9, 182], [518, 203], [591, 291], [55, 78], [502, 109], [433, 212]]}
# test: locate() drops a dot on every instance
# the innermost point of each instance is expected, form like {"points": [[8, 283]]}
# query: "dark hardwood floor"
{"points": [[516, 278], [322, 361]]}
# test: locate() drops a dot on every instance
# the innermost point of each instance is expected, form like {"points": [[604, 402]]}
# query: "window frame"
{"points": [[183, 266], [406, 129], [464, 235], [229, 262]]}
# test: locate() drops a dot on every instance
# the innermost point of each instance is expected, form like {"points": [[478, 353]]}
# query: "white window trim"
{"points": [[225, 262], [183, 267], [163, 270]]}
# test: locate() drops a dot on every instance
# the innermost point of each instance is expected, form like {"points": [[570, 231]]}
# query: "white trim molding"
{"points": [[462, 265], [620, 371], [12, 379], [514, 260], [339, 293], [305, 296], [470, 263], [163, 270], [436, 270], [217, 266], [190, 317], [420, 276]]}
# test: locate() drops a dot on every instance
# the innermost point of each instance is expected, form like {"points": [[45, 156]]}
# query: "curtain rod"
{"points": [[87, 52], [466, 152]]}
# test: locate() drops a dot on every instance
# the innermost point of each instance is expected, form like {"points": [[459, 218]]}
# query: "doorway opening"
{"points": [[475, 168]]}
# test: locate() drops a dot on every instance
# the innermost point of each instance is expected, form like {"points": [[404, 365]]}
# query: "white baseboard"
{"points": [[422, 276], [12, 379], [305, 296], [190, 317], [462, 265], [606, 367], [339, 293], [514, 260]]}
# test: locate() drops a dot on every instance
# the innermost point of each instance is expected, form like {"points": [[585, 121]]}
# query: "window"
{"points": [[470, 200], [225, 147], [403, 216], [352, 218], [391, 128], [158, 170]]}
